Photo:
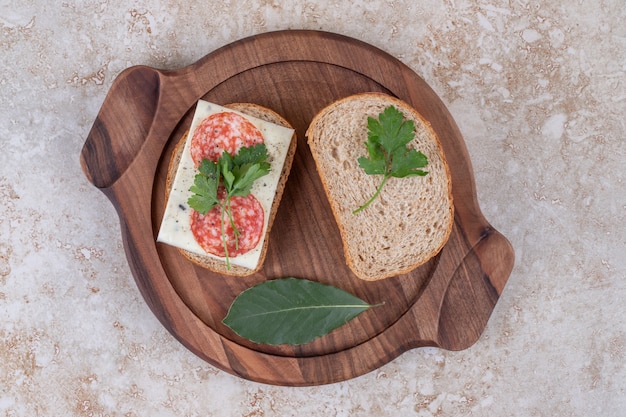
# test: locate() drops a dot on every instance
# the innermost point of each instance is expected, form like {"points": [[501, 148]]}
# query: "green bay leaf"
{"points": [[291, 311]]}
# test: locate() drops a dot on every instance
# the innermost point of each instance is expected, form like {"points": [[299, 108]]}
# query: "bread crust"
{"points": [[316, 141], [217, 265]]}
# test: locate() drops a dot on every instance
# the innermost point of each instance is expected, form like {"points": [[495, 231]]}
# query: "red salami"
{"points": [[248, 217], [221, 132]]}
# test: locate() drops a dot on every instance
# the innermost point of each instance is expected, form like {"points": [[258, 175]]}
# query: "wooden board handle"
{"points": [[117, 136], [473, 291]]}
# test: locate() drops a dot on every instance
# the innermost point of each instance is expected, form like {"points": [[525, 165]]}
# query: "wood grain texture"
{"points": [[444, 303]]}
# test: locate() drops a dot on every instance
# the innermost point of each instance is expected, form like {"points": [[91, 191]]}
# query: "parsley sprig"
{"points": [[237, 175], [389, 156]]}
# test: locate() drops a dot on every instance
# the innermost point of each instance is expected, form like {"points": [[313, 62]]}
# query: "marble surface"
{"points": [[538, 89]]}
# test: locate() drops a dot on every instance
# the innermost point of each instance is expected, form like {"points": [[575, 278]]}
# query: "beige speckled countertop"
{"points": [[538, 89]]}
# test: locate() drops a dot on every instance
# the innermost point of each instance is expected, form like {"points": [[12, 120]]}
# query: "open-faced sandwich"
{"points": [[225, 181]]}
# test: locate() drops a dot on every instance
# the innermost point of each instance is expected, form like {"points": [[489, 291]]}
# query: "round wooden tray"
{"points": [[445, 303]]}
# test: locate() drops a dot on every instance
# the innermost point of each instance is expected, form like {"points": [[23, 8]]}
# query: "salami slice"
{"points": [[248, 217], [225, 131]]}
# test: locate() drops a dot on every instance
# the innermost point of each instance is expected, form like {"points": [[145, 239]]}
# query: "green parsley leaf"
{"points": [[245, 177], [204, 188], [251, 154], [209, 169], [389, 156], [407, 164], [373, 167], [226, 165], [249, 165]]}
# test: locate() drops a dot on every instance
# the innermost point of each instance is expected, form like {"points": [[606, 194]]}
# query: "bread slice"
{"points": [[214, 264], [411, 219]]}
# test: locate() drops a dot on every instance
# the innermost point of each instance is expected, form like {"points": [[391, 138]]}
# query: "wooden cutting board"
{"points": [[445, 303]]}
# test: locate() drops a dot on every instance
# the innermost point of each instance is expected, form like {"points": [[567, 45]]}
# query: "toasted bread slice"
{"points": [[411, 219], [215, 264]]}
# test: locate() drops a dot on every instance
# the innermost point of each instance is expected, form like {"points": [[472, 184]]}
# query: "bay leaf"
{"points": [[291, 311]]}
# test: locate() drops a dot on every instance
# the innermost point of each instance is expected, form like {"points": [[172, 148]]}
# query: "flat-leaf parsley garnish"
{"points": [[236, 174], [389, 156]]}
